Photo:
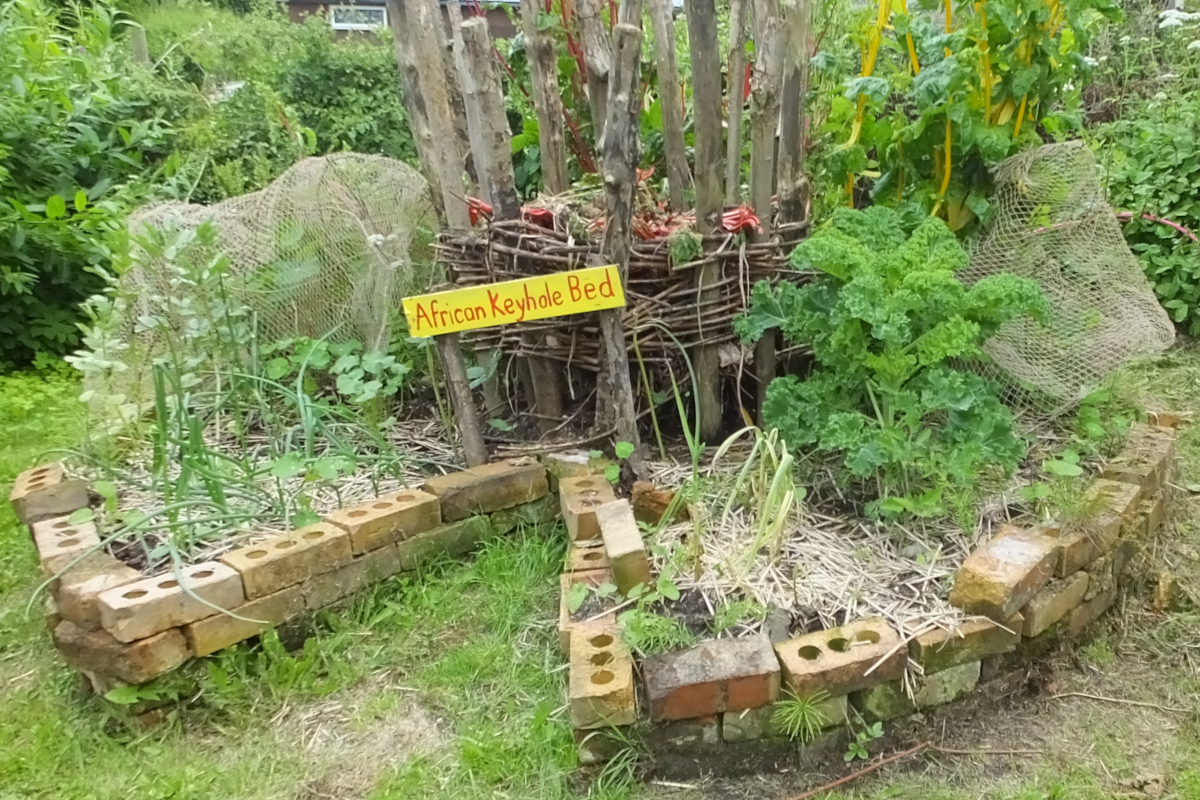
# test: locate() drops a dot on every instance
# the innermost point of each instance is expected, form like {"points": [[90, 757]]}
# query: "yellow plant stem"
{"points": [[985, 47], [912, 49], [947, 160]]}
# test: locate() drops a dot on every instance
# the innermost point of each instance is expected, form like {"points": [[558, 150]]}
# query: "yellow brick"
{"points": [[98, 653], [600, 679], [1056, 599], [623, 542], [281, 561], [44, 492], [837, 660], [59, 543], [579, 498], [488, 488], [364, 570], [592, 578], [221, 630], [81, 585], [1001, 576], [146, 607], [585, 555], [388, 519]]}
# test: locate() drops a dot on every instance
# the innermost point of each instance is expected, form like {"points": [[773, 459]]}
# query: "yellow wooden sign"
{"points": [[556, 295]]}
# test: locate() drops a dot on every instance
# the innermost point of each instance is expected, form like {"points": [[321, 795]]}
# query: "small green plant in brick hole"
{"points": [[801, 717]]}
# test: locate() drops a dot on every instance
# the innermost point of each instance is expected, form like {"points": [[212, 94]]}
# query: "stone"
{"points": [[539, 512], [842, 660], [371, 567], [488, 488], [586, 554], [1100, 576], [600, 679], [219, 631], [98, 652], [623, 542], [712, 677], [762, 722], [650, 503], [1054, 602], [388, 519], [146, 607], [1123, 557], [80, 585], [1154, 509], [453, 539], [973, 640], [1145, 459], [1089, 611], [949, 684], [579, 498], [1167, 593], [44, 492], [1001, 576], [883, 701], [567, 464], [688, 735], [593, 577], [281, 561], [60, 544], [601, 744]]}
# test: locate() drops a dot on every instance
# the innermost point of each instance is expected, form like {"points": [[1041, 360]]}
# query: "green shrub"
{"points": [[78, 148], [889, 324]]}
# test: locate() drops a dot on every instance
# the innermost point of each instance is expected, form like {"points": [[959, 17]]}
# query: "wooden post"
{"points": [[620, 180], [630, 12], [793, 187], [737, 99], [467, 82], [706, 86], [423, 81], [542, 58], [678, 174], [764, 119], [593, 39]]}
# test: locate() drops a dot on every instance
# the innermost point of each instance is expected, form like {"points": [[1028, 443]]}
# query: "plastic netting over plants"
{"points": [[325, 251], [322, 251], [1051, 224]]}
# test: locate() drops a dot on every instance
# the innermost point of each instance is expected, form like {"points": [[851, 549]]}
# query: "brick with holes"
{"points": [[281, 561], [579, 498], [146, 607], [82, 584], [388, 519], [59, 543], [600, 678], [44, 492], [842, 660], [586, 554], [566, 624]]}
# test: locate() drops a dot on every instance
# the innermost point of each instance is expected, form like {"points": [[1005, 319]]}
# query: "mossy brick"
{"points": [[764, 723], [712, 677], [842, 660], [44, 492], [579, 498], [623, 543], [586, 554], [568, 464], [488, 488], [1154, 509], [1100, 576], [600, 679], [1089, 611], [453, 539], [133, 662], [219, 631], [1124, 554], [1114, 506], [1001, 576], [81, 585], [146, 607], [387, 519], [277, 562], [946, 686], [1054, 602], [540, 512], [972, 640], [1145, 459], [883, 701], [592, 578], [362, 571], [689, 735], [60, 543]]}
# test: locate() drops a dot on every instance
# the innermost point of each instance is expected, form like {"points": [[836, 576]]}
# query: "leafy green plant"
{"points": [[893, 330], [643, 629], [863, 737], [801, 717]]}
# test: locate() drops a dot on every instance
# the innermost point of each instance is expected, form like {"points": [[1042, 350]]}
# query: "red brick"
{"points": [[712, 677]]}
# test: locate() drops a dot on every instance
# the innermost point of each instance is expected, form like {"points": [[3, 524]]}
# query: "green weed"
{"points": [[800, 717]]}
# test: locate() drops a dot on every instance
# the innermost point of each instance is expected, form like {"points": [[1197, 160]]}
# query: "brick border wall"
{"points": [[709, 709], [119, 627]]}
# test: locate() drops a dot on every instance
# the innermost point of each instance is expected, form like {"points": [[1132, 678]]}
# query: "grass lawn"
{"points": [[449, 684]]}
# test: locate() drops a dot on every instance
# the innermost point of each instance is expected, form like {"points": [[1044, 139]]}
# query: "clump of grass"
{"points": [[649, 634], [730, 614], [800, 717]]}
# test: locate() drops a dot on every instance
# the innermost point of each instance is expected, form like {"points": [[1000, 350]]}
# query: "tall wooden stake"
{"points": [[764, 119], [594, 41], [423, 81], [706, 80], [793, 187], [737, 99], [620, 179], [678, 174], [542, 58]]}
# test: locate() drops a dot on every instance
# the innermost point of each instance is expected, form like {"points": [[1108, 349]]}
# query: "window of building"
{"points": [[357, 18]]}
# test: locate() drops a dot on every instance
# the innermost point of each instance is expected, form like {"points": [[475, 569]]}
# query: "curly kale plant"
{"points": [[889, 324]]}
